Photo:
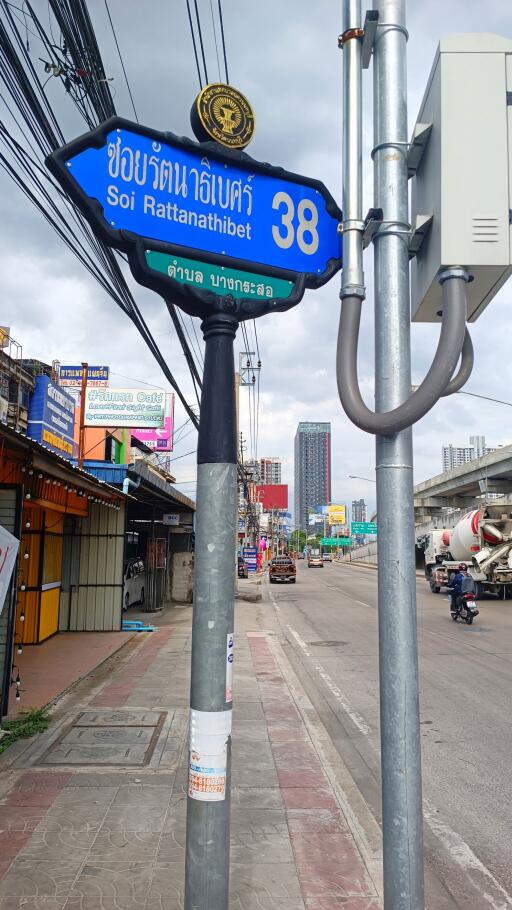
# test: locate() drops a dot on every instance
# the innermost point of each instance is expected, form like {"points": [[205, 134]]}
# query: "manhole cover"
{"points": [[327, 644], [107, 738]]}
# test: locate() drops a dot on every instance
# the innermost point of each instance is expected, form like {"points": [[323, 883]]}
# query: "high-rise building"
{"points": [[270, 470], [312, 469], [478, 443], [359, 510], [454, 456]]}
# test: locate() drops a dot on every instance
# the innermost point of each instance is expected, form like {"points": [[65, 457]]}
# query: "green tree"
{"points": [[298, 540]]}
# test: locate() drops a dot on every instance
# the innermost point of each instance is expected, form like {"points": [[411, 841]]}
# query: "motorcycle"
{"points": [[466, 608]]}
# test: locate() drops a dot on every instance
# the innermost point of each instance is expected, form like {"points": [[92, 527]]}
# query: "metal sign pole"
{"points": [[81, 430], [399, 700], [209, 782]]}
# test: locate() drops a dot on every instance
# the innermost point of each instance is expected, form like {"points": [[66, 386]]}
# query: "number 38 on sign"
{"points": [[147, 192]]}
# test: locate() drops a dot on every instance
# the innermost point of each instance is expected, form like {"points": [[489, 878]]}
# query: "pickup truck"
{"points": [[282, 568]]}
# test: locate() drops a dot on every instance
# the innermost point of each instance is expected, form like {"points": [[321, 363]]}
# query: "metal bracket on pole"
{"points": [[419, 142], [419, 232], [372, 223], [371, 20]]}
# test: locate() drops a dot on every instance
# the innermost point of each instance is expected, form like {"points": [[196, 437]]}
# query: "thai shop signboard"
{"points": [[160, 438], [71, 376], [250, 555], [124, 408], [51, 417]]}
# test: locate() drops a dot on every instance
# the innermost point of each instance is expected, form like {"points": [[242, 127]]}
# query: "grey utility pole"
{"points": [[398, 661], [402, 816], [209, 779]]}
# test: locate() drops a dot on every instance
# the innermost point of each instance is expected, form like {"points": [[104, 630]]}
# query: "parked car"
{"points": [[282, 568], [134, 580], [243, 571]]}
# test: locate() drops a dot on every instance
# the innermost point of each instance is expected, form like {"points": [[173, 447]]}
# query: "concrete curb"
{"points": [[249, 598]]}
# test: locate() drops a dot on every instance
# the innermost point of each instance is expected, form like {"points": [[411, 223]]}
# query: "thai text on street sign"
{"points": [[218, 278], [143, 190], [364, 527]]}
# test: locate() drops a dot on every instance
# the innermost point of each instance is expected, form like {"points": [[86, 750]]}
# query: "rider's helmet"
{"points": [[463, 567]]}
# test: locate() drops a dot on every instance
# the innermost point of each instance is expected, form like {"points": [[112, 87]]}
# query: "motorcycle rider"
{"points": [[455, 588]]}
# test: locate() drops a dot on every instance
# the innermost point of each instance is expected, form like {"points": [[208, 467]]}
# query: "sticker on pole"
{"points": [[210, 732], [229, 667], [207, 777]]}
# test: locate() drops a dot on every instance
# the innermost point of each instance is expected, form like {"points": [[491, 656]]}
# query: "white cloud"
{"points": [[285, 57]]}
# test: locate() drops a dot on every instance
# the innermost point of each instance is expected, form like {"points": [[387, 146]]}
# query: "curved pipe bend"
{"points": [[466, 367], [436, 382]]}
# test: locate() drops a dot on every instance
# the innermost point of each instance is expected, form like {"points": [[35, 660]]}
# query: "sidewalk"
{"points": [[92, 811]]}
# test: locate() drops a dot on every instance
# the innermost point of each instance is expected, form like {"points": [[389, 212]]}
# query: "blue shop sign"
{"points": [[250, 555], [51, 417]]}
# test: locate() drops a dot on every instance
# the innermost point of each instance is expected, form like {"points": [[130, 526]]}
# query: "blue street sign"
{"points": [[142, 190]]}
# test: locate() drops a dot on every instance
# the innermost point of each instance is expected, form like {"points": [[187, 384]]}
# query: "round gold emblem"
{"points": [[222, 113]]}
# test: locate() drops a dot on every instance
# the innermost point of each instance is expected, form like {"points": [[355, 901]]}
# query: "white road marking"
{"points": [[274, 602], [462, 854], [363, 603], [356, 718]]}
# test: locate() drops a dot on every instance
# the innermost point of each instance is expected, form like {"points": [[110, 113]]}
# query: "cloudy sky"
{"points": [[284, 57]]}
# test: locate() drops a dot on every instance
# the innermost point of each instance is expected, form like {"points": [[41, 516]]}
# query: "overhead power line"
{"points": [[199, 76], [223, 41], [121, 61], [200, 32], [30, 130]]}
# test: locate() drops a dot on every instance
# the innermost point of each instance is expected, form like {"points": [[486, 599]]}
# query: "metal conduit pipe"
{"points": [[452, 338], [466, 367]]}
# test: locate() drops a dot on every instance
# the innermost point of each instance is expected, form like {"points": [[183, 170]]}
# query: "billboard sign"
{"points": [[336, 514], [272, 496], [71, 376], [51, 417], [160, 438], [124, 408]]}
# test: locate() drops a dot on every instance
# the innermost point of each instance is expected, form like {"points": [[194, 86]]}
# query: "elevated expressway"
{"points": [[463, 488]]}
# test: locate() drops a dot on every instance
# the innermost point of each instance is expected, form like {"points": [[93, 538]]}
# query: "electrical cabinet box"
{"points": [[465, 174]]}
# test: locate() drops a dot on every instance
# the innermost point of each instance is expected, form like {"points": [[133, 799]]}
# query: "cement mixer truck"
{"points": [[483, 540]]}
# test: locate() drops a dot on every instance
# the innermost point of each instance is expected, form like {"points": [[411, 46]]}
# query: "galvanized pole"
{"points": [[209, 782], [399, 698]]}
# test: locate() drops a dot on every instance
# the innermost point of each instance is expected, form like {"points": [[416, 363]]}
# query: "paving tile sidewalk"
{"points": [[94, 814]]}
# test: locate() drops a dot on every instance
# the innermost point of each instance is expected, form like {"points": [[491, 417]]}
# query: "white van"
{"points": [[134, 579]]}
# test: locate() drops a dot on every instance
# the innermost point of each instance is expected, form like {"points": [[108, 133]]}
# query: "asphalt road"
{"points": [[330, 621]]}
